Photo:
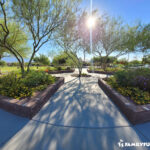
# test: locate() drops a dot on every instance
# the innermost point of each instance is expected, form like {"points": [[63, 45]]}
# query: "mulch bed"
{"points": [[135, 113], [77, 75], [100, 72], [61, 71], [28, 107]]}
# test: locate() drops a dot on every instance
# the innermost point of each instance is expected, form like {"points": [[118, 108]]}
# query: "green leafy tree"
{"points": [[69, 40], [42, 60], [137, 39], [2, 63], [142, 38], [100, 60], [13, 39], [62, 59], [146, 59], [135, 63], [110, 39], [42, 18]]}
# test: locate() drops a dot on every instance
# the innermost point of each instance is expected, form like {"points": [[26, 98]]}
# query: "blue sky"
{"points": [[130, 11]]}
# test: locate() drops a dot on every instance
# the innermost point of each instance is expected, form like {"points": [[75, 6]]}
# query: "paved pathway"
{"points": [[78, 117]]}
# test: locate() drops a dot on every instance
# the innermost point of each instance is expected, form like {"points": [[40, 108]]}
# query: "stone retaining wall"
{"points": [[61, 71], [28, 107], [100, 72]]}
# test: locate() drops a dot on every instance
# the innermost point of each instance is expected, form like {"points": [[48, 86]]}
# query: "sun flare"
{"points": [[91, 22]]}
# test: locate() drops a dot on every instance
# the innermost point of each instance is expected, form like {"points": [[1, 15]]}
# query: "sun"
{"points": [[91, 21]]}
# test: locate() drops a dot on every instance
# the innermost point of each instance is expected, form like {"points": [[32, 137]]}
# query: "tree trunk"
{"points": [[84, 56], [0, 57], [22, 70], [28, 66], [80, 71]]}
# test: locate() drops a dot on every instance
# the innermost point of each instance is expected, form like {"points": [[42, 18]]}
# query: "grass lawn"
{"points": [[7, 69]]}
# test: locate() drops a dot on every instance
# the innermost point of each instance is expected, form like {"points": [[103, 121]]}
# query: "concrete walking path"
{"points": [[78, 117]]}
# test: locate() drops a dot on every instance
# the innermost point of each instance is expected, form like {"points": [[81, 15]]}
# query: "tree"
{"points": [[96, 61], [51, 54], [70, 41], [135, 63], [62, 59], [18, 39], [83, 34], [122, 61], [42, 18], [2, 63], [42, 60], [146, 59], [13, 39], [3, 53], [138, 38], [100, 60], [110, 39], [142, 38]]}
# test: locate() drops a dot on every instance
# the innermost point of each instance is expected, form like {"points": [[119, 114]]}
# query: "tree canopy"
{"points": [[41, 60], [18, 39]]}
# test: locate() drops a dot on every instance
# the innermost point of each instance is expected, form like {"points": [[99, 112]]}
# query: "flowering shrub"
{"points": [[13, 85], [143, 83], [134, 84], [137, 95], [47, 70], [137, 78]]}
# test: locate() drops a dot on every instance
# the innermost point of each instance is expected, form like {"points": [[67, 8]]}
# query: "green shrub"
{"points": [[83, 74], [114, 69], [50, 69], [36, 78], [134, 84], [2, 63], [137, 78], [13, 85], [59, 68], [137, 95], [40, 87], [68, 68]]}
